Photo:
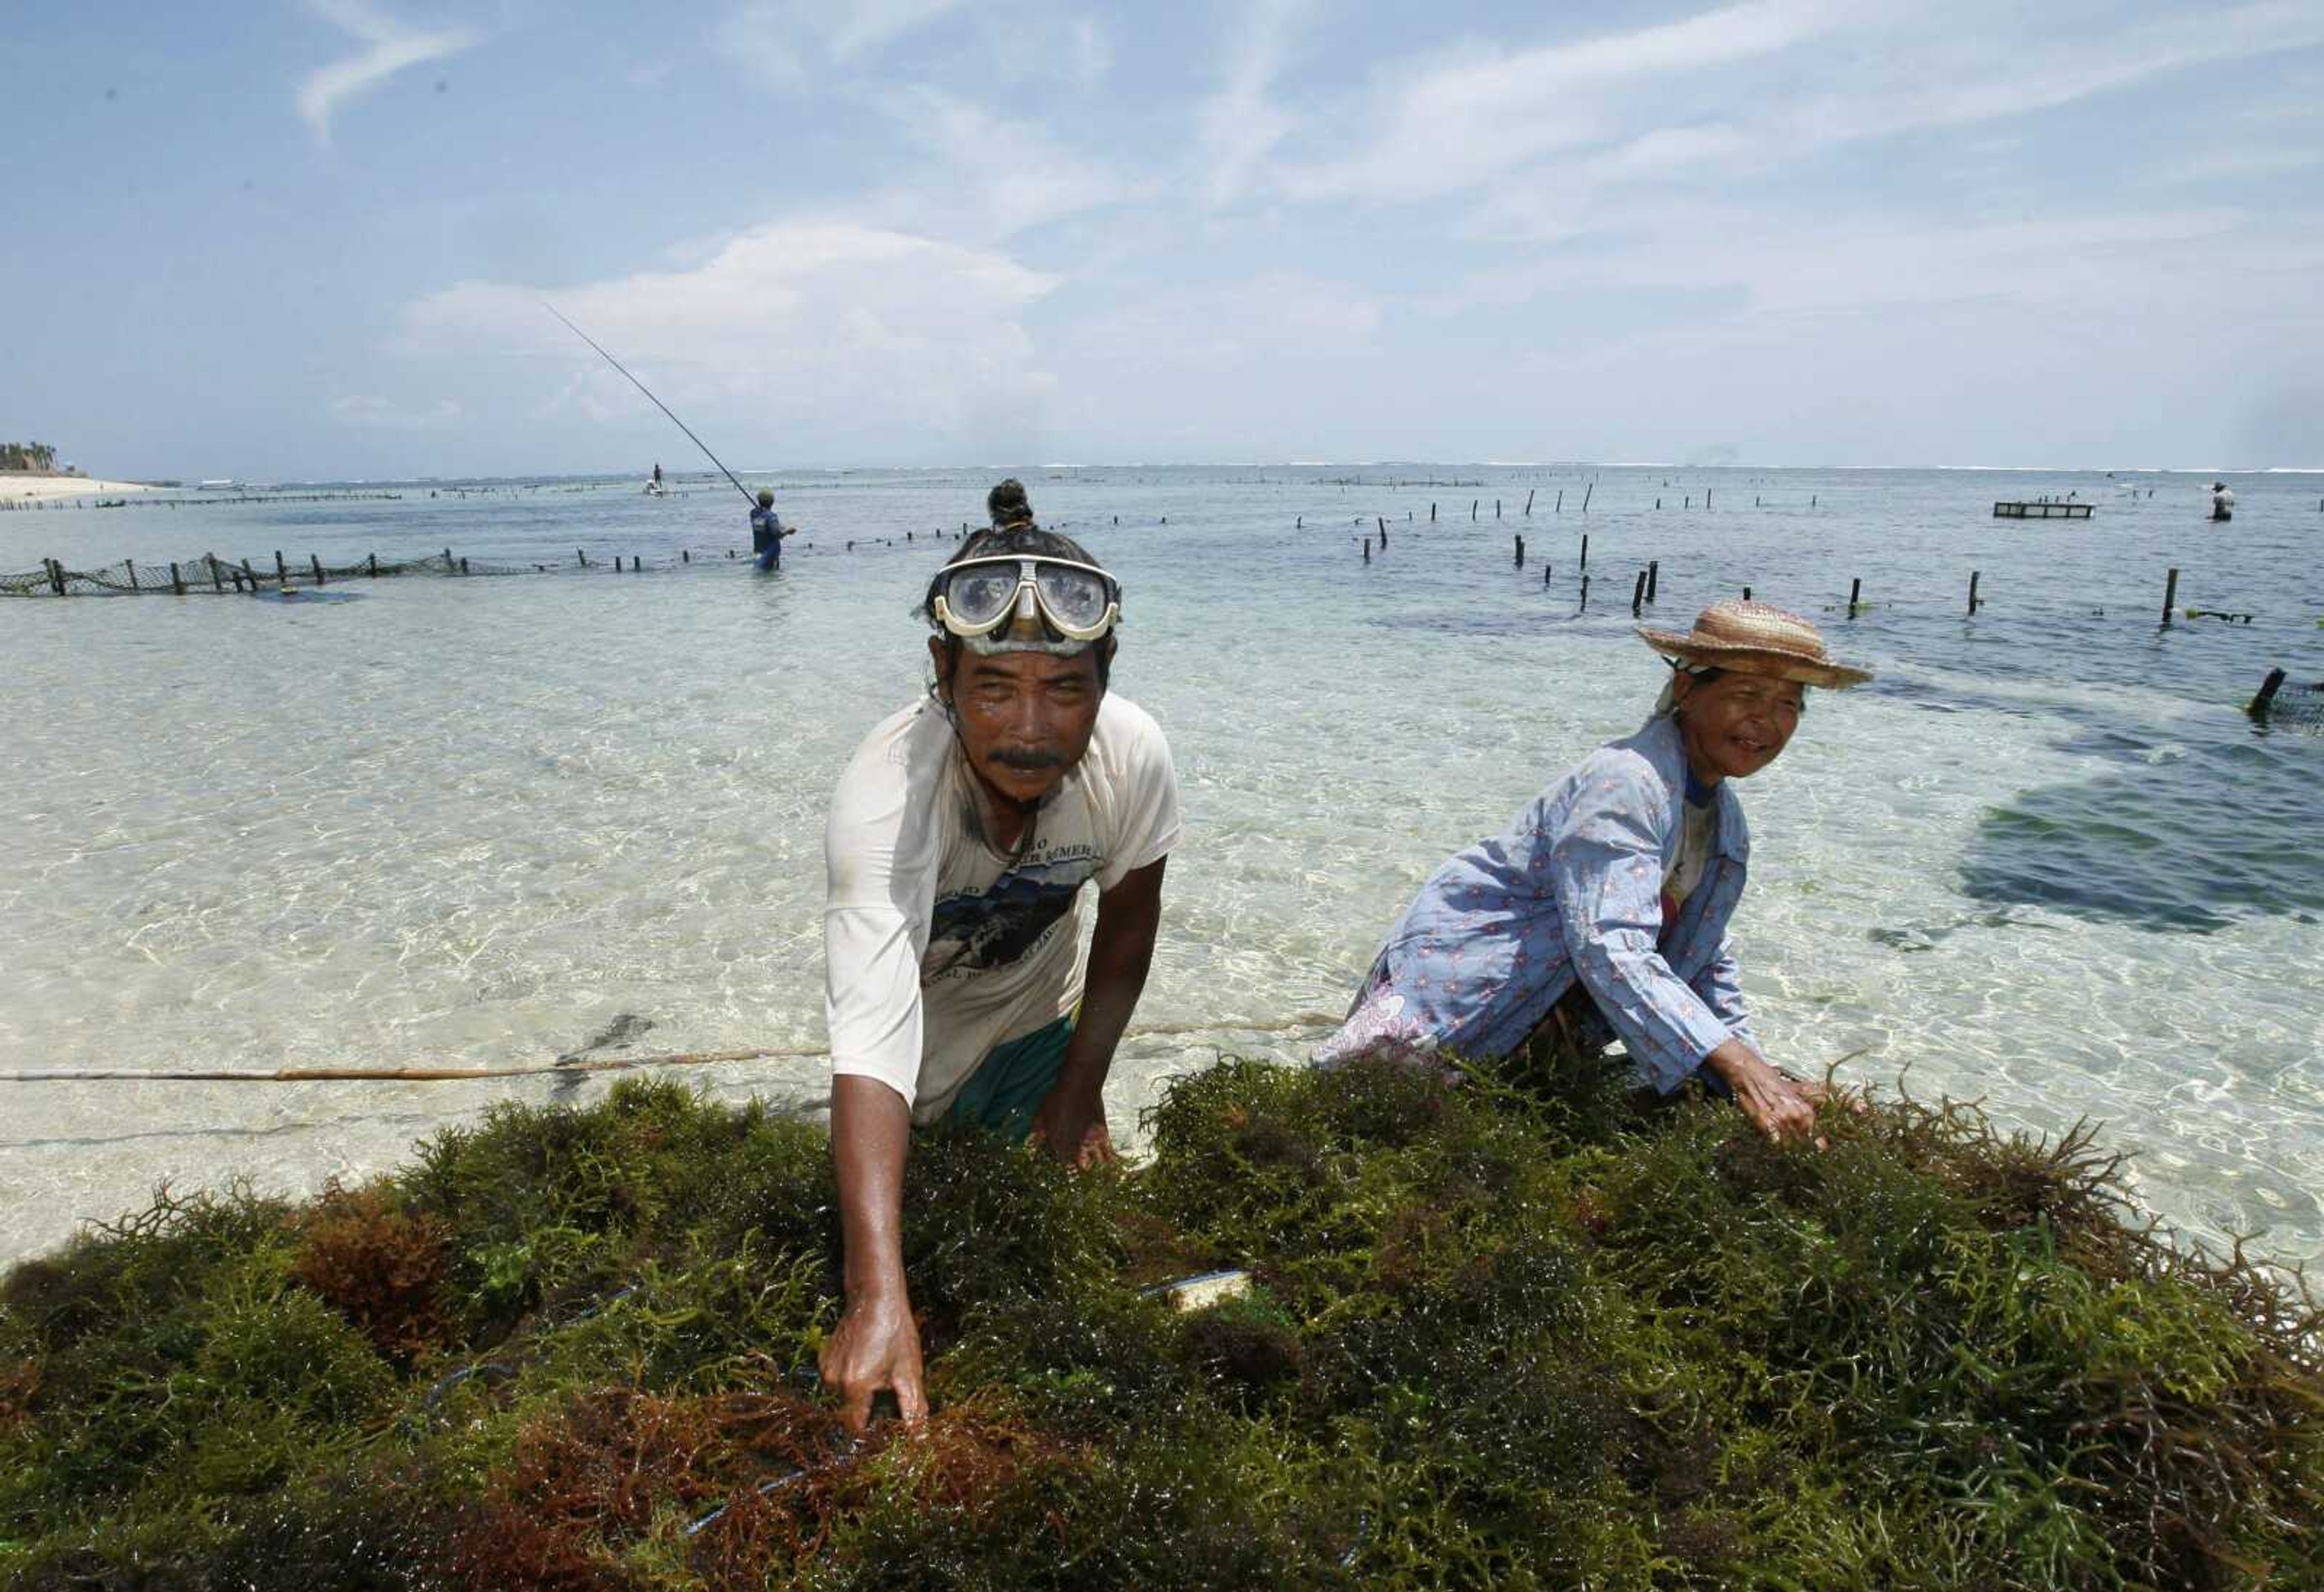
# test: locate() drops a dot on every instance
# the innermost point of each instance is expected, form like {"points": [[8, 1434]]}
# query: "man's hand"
{"points": [[1777, 1105], [1070, 1123], [875, 1346]]}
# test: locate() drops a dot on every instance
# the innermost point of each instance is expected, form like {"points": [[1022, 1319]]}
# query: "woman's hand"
{"points": [[1781, 1107]]}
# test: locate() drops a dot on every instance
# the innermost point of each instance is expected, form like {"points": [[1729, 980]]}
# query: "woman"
{"points": [[1602, 912]]}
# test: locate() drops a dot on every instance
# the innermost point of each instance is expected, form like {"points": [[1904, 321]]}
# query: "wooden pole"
{"points": [[1584, 608], [1855, 590], [1585, 552], [372, 563], [1529, 491], [315, 562], [583, 556], [2267, 698], [1972, 593], [2170, 596], [1497, 508], [177, 581], [1560, 508], [1638, 594], [1520, 552], [216, 580], [56, 576], [1654, 579], [1432, 514], [282, 570], [1544, 577], [1586, 491], [130, 567], [1472, 509], [1706, 497], [1747, 594], [1367, 550]]}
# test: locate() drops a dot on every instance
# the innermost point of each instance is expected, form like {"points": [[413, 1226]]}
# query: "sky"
{"points": [[310, 239]]}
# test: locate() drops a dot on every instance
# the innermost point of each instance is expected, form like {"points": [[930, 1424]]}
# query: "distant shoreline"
{"points": [[48, 488]]}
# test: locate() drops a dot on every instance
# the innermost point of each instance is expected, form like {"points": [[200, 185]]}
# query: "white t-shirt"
{"points": [[937, 947]]}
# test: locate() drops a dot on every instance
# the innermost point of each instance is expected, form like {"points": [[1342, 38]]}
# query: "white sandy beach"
{"points": [[16, 488]]}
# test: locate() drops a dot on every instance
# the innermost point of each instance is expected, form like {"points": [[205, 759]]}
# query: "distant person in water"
{"points": [[962, 840], [2223, 501], [1602, 912], [767, 532], [657, 472]]}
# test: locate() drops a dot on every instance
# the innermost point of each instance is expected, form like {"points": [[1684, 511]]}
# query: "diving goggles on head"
{"points": [[978, 597]]}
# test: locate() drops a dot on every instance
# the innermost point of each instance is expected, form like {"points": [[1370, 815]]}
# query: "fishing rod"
{"points": [[658, 403]]}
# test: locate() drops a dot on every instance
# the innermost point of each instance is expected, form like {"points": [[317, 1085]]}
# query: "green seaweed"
{"points": [[1511, 1326]]}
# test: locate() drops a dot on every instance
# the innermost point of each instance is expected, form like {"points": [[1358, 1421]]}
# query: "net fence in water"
{"points": [[212, 574], [2282, 703]]}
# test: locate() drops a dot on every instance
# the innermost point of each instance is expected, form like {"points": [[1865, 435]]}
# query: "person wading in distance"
{"points": [[961, 838]]}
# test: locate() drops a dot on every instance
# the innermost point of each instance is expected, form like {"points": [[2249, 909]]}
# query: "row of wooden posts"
{"points": [[1649, 582]]}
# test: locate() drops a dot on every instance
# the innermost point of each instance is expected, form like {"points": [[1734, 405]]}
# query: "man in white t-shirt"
{"points": [[960, 839]]}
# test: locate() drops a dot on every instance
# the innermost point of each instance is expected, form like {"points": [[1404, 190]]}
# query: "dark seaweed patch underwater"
{"points": [[2190, 844], [1522, 1330]]}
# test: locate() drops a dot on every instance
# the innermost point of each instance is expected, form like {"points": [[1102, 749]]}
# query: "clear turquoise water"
{"points": [[2043, 860]]}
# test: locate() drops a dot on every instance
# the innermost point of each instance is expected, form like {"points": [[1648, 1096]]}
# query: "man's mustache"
{"points": [[1028, 762]]}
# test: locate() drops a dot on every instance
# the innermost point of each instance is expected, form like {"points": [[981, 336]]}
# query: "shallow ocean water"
{"points": [[2043, 860]]}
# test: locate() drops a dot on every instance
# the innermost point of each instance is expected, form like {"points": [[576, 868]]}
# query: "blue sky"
{"points": [[292, 238]]}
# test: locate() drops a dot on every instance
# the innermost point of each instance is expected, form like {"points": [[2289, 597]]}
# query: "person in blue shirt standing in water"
{"points": [[767, 532]]}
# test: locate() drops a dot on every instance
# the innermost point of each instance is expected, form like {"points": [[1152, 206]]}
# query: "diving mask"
{"points": [[977, 597]]}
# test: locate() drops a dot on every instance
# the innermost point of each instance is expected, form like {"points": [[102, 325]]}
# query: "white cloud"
{"points": [[1482, 111], [792, 326], [1093, 52], [1546, 131], [991, 176], [384, 414], [781, 40], [1218, 330], [389, 47], [868, 25], [1241, 124]]}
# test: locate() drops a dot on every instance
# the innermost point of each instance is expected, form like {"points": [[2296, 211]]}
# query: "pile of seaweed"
{"points": [[1509, 1332]]}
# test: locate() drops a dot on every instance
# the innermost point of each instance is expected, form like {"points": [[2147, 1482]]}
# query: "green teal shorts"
{"points": [[1009, 1085]]}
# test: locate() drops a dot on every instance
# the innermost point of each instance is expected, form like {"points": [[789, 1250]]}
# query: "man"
{"points": [[960, 838], [767, 532]]}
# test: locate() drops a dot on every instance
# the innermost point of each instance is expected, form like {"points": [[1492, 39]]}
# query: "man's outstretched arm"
{"points": [[1071, 1120], [875, 1345]]}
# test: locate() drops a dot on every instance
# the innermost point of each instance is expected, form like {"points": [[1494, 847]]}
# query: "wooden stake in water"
{"points": [[2267, 690], [315, 561], [1586, 491], [1654, 579], [1529, 491], [1855, 590], [1520, 552], [1585, 552], [1638, 594], [2170, 596]]}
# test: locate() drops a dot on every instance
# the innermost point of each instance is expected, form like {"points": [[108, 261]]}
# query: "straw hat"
{"points": [[1756, 638]]}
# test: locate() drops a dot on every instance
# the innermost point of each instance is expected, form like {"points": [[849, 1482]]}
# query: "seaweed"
{"points": [[1511, 1326]]}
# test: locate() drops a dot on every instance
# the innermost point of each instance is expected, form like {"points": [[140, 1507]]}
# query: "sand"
{"points": [[16, 488]]}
